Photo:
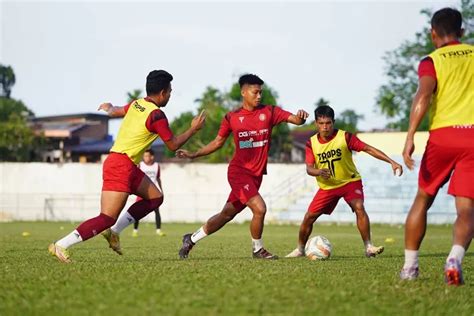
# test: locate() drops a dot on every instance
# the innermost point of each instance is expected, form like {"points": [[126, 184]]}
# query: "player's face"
{"points": [[165, 96], [252, 94], [148, 158], [325, 126]]}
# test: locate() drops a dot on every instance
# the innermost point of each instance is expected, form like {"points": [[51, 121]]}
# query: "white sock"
{"points": [[257, 244], [368, 243], [69, 240], [135, 230], [457, 251], [301, 248], [411, 259], [198, 235], [124, 220], [158, 230]]}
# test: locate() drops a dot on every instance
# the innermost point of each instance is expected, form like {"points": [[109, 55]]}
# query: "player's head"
{"points": [[324, 120], [251, 89], [158, 85], [149, 156], [446, 24]]}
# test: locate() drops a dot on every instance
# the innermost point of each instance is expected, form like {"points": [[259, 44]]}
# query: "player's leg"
{"points": [[463, 232], [135, 228], [111, 205], [363, 224], [158, 223], [259, 209], [306, 228], [212, 225], [152, 198]]}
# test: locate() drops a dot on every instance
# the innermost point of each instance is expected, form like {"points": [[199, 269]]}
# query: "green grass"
{"points": [[220, 278]]}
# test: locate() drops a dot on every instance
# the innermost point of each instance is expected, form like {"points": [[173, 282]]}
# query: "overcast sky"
{"points": [[69, 57]]}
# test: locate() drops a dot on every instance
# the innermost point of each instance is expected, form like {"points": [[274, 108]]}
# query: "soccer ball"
{"points": [[318, 248]]}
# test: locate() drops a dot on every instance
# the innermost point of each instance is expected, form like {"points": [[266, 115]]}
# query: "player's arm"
{"points": [[377, 153], [299, 118], [214, 145], [176, 142], [419, 106], [312, 171], [311, 162], [113, 111]]}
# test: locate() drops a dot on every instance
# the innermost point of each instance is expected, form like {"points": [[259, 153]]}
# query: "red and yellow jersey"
{"points": [[141, 126], [335, 155], [453, 100], [252, 135]]}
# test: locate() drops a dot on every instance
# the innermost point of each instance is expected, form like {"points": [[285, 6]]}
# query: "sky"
{"points": [[69, 57]]}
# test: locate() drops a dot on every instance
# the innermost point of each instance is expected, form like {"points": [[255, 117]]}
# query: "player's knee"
{"points": [[260, 210], [155, 203]]}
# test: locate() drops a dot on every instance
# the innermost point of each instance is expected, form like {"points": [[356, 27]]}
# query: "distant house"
{"points": [[299, 139], [80, 137]]}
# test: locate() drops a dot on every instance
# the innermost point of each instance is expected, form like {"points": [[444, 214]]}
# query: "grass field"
{"points": [[220, 278]]}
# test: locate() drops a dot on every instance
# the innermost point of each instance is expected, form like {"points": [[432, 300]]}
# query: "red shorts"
{"points": [[441, 162], [325, 201], [244, 187], [120, 174]]}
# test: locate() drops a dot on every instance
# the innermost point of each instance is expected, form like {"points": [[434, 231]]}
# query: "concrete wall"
{"points": [[195, 191]]}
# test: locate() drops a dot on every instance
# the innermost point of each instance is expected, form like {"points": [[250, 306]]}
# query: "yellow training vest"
{"points": [[133, 137], [453, 101], [335, 156]]}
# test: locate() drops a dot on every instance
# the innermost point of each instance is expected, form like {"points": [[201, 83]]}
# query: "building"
{"points": [[82, 137]]}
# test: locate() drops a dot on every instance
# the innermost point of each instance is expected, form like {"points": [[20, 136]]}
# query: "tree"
{"points": [[7, 80], [17, 140], [394, 98], [134, 95], [217, 104], [348, 120]]}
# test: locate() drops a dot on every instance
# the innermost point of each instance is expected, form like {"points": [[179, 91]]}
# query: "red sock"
{"points": [[94, 226], [141, 208]]}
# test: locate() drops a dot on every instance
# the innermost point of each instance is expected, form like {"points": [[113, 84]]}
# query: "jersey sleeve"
{"points": [[426, 68], [158, 123], [309, 155], [225, 129], [354, 143], [126, 107], [279, 115]]}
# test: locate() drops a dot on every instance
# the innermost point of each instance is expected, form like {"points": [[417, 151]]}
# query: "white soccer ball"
{"points": [[318, 248]]}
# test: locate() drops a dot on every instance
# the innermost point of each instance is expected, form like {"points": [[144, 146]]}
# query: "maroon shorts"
{"points": [[244, 187], [325, 201], [441, 162], [120, 174]]}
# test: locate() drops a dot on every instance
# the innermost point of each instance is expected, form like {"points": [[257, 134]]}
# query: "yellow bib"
{"points": [[133, 137], [335, 156], [453, 102]]}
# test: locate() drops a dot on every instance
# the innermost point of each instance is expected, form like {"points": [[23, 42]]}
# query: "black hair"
{"points": [[157, 80], [150, 151], [324, 111], [250, 79], [446, 22]]}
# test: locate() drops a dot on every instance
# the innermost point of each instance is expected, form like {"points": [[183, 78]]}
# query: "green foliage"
{"points": [[348, 120], [217, 104], [394, 98], [7, 80], [221, 278], [134, 95], [17, 140]]}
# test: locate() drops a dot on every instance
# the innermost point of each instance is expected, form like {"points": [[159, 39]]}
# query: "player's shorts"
{"points": [[120, 174], [325, 201], [445, 158], [244, 187]]}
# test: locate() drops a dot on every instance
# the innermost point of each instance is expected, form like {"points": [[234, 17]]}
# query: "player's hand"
{"points": [[198, 121], [397, 169], [407, 152], [183, 153], [302, 114], [325, 173], [107, 107]]}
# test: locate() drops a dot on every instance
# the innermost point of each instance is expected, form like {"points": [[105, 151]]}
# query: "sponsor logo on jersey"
{"points": [[262, 117], [138, 107]]}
